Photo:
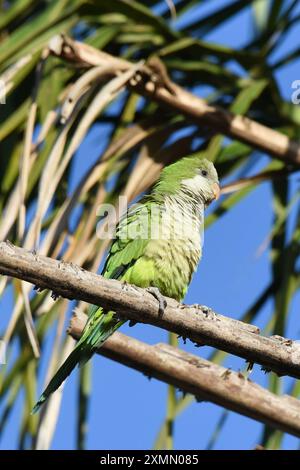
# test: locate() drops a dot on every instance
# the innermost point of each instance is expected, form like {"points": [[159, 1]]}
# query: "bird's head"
{"points": [[194, 176]]}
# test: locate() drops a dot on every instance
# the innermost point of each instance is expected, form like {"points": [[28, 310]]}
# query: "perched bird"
{"points": [[157, 245]]}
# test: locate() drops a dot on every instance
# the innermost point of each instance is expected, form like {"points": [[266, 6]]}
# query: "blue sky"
{"points": [[126, 408]]}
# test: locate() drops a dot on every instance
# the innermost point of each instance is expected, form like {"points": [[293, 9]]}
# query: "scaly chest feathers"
{"points": [[173, 248]]}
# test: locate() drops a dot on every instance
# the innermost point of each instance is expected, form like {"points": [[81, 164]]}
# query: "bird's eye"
{"points": [[204, 173]]}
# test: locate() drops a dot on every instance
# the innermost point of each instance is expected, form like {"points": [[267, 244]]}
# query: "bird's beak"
{"points": [[216, 190]]}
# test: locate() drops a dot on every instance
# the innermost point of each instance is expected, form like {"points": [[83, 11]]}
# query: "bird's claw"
{"points": [[160, 298], [54, 295]]}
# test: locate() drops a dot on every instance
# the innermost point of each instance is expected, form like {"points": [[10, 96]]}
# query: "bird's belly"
{"points": [[174, 264], [170, 256]]}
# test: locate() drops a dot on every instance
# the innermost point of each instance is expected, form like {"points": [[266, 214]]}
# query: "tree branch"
{"points": [[68, 280], [205, 380], [156, 85]]}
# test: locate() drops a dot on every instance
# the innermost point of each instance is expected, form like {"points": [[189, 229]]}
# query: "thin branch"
{"points": [[202, 378], [256, 179], [154, 83], [68, 280]]}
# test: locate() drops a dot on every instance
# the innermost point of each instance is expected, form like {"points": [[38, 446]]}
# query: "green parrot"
{"points": [[157, 245]]}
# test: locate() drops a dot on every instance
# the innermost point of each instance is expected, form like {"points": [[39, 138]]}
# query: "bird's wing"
{"points": [[132, 237]]}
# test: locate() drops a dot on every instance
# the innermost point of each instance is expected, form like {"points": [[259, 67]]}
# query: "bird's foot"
{"points": [[38, 289], [54, 295], [159, 297]]}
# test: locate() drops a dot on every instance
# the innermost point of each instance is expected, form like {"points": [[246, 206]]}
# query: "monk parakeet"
{"points": [[157, 245]]}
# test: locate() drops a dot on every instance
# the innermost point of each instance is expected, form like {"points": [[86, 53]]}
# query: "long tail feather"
{"points": [[98, 328], [63, 372]]}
